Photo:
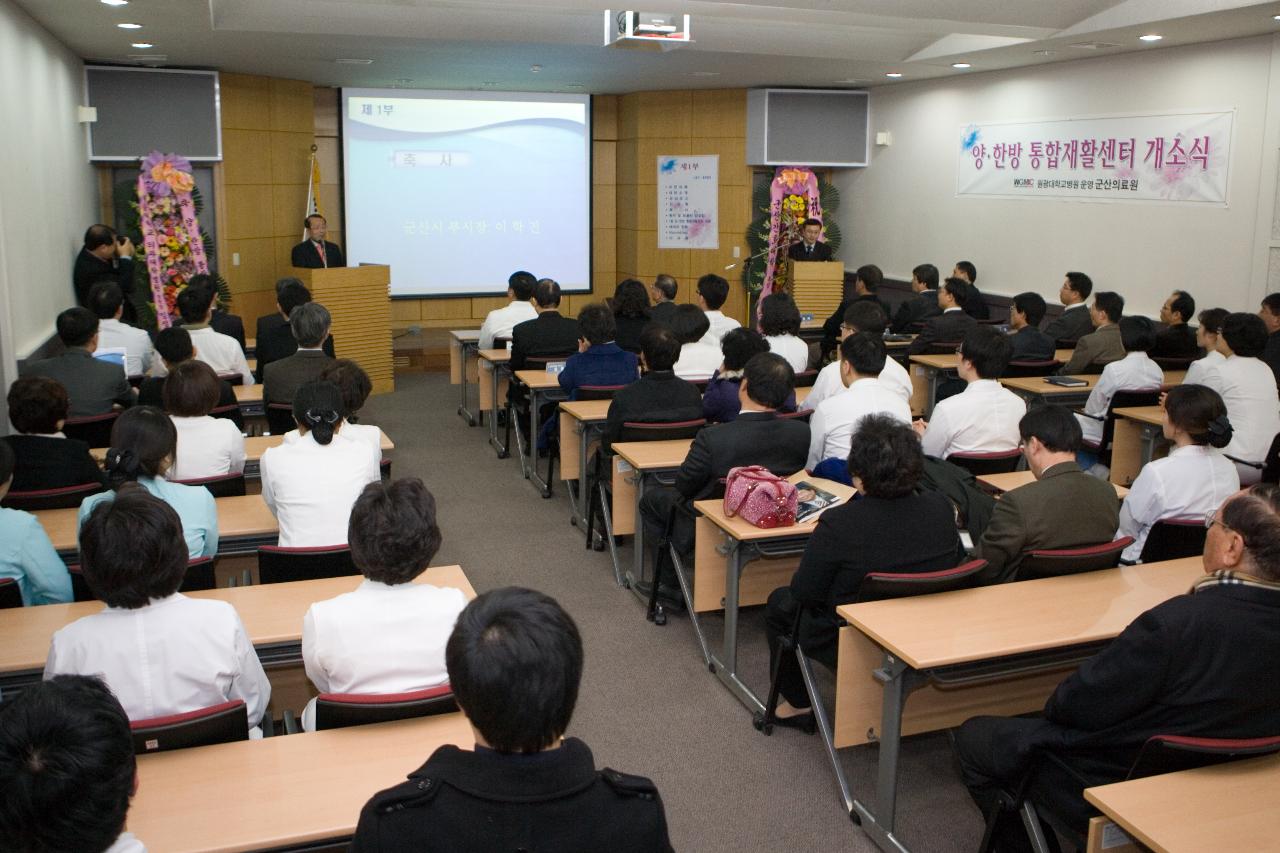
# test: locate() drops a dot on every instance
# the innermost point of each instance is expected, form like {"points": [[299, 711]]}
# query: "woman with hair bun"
{"points": [[1194, 479], [144, 443], [311, 483]]}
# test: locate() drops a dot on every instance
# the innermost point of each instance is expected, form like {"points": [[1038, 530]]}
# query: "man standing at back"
{"points": [[1074, 321], [94, 386], [499, 322], [104, 257]]}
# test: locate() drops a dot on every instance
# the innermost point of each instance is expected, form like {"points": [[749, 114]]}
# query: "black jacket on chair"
{"points": [[276, 341], [1176, 342], [547, 334], [948, 327], [754, 438], [659, 396], [1031, 344], [51, 463]]}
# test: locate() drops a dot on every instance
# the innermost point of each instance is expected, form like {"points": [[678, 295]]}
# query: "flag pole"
{"points": [[311, 188]]}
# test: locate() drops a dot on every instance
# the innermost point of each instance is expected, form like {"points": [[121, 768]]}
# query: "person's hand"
{"points": [[124, 248], [920, 425]]}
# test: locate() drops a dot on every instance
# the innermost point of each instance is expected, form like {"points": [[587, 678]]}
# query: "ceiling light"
{"points": [[535, 68], [705, 73], [129, 26], [894, 74], [1275, 17], [142, 45], [115, 2], [1150, 37], [1045, 52], [575, 85], [961, 65], [354, 61]]}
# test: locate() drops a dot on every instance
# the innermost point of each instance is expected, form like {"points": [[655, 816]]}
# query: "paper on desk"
{"points": [[624, 467]]}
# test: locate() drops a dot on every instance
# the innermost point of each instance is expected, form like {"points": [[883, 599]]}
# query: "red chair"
{"points": [[280, 418], [220, 486], [201, 574], [1167, 363], [1121, 400], [66, 497], [806, 378], [384, 470], [217, 724], [800, 415], [10, 594], [977, 464], [1031, 368], [339, 710], [1072, 561], [94, 430], [231, 378], [1172, 538], [281, 565]]}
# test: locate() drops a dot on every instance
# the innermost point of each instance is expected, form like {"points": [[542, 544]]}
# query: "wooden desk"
{"points": [[248, 395], [250, 346], [581, 419], [254, 447], [997, 649], [463, 368], [543, 387], [1133, 444], [1226, 807], [281, 793], [1007, 482], [253, 409], [1035, 389]]}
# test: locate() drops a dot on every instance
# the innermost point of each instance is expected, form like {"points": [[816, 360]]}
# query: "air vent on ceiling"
{"points": [[149, 57], [1095, 45]]}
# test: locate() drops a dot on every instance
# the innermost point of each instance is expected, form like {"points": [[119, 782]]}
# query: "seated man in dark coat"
{"points": [[1074, 322], [658, 396], [951, 325], [1203, 664], [921, 306], [1177, 339], [275, 339], [282, 379], [974, 305], [548, 334], [95, 387], [515, 662], [45, 459], [865, 287], [174, 346], [1029, 343]]}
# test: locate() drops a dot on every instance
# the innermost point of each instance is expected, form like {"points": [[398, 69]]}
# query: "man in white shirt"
{"points": [[1248, 389], [67, 769], [1135, 372], [500, 321], [833, 424], [984, 418], [860, 317], [107, 301], [1203, 371], [698, 358], [712, 293], [219, 351]]}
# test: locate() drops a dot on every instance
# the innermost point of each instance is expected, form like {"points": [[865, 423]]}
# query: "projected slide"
{"points": [[457, 190]]}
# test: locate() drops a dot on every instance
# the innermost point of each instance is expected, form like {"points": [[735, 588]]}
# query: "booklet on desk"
{"points": [[1066, 381], [810, 500]]}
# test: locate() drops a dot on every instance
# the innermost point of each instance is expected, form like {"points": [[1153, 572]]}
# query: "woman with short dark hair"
{"points": [[630, 304], [780, 323], [207, 446], [46, 459]]}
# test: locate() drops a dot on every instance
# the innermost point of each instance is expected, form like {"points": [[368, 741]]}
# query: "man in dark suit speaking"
{"points": [[807, 248], [315, 252]]}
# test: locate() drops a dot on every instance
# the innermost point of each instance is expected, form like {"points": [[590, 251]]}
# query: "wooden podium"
{"points": [[816, 286], [359, 300]]}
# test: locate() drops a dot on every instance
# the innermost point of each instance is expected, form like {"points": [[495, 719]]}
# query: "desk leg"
{"points": [[637, 544], [898, 680], [502, 450], [544, 486], [584, 499], [726, 666], [465, 350], [933, 392]]}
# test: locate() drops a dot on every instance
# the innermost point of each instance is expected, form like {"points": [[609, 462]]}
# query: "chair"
{"points": [[384, 470], [201, 574], [221, 485], [799, 415], [94, 430], [1066, 343], [280, 418], [281, 565], [66, 497], [339, 710], [1031, 368], [216, 724], [806, 378], [1120, 400], [1172, 538], [533, 362], [977, 464], [230, 412], [10, 594], [1168, 363], [1049, 563], [942, 348], [231, 378]]}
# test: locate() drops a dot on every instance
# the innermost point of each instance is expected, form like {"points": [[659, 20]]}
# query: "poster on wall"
{"points": [[1182, 158], [688, 202]]}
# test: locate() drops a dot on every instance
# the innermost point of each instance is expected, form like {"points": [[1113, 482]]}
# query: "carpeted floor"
{"points": [[647, 703]]}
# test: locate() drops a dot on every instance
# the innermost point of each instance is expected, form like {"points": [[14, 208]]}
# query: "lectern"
{"points": [[817, 286], [359, 300]]}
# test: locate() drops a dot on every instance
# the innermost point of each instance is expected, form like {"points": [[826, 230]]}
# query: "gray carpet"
{"points": [[648, 704]]}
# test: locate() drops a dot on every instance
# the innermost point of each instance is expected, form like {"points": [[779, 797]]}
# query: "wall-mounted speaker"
{"points": [[808, 127]]}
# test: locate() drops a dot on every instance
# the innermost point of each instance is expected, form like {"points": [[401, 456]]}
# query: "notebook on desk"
{"points": [[1066, 381]]}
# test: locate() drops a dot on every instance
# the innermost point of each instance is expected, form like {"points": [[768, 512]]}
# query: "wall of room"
{"points": [[902, 209]]}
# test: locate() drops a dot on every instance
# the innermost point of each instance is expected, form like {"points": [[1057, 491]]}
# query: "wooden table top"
{"points": [[1014, 618], [1225, 807], [255, 446], [1015, 479], [745, 532], [465, 335], [248, 393], [951, 360], [653, 455], [1037, 384], [586, 410], [538, 380], [243, 515], [494, 356], [272, 613], [1143, 414], [280, 791]]}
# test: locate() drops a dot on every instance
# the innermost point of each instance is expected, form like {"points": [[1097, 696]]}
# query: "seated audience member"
{"points": [[1177, 339], [94, 387], [698, 359], [658, 396], [756, 437], [1269, 311], [1029, 343], [207, 446], [863, 288], [809, 247], [547, 334], [310, 484], [26, 554], [974, 305], [499, 322], [948, 327], [1194, 479], [388, 635], [514, 661], [173, 345], [1202, 664], [310, 326], [1203, 371], [355, 387], [221, 321], [921, 306], [712, 293], [599, 360], [160, 652], [1063, 508], [893, 527], [1102, 346], [107, 303], [1250, 396], [46, 459], [275, 336], [221, 352], [663, 292], [1075, 321], [144, 443], [984, 417], [721, 400], [780, 323], [67, 769], [834, 422], [1135, 372], [859, 317], [630, 305]]}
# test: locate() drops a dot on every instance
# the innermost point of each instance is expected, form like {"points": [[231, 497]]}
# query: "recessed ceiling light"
{"points": [[894, 74], [575, 85], [535, 68], [1150, 37], [1275, 17], [961, 65], [705, 73], [142, 45], [404, 81], [115, 2], [129, 26], [354, 61], [1045, 52]]}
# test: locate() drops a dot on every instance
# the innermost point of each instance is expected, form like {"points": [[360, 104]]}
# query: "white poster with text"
{"points": [[688, 202]]}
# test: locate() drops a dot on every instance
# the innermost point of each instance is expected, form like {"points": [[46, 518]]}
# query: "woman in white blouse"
{"points": [[311, 483], [207, 446], [1202, 370], [354, 386], [1248, 388], [780, 323], [389, 634], [1194, 479]]}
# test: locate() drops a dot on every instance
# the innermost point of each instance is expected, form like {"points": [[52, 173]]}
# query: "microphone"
{"points": [[758, 254]]}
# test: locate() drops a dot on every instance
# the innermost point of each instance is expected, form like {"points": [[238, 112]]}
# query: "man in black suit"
{"points": [[315, 252], [274, 337], [1270, 314], [658, 396], [864, 288], [922, 306], [94, 386], [756, 437], [44, 458], [663, 293], [1029, 343], [547, 334], [949, 326], [1177, 339], [1203, 664], [1074, 322], [105, 257], [973, 303], [222, 321], [281, 379], [174, 347], [808, 247]]}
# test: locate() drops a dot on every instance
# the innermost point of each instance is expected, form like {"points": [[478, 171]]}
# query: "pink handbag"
{"points": [[760, 497]]}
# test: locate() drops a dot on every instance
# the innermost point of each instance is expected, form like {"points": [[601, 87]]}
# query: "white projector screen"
{"points": [[457, 190]]}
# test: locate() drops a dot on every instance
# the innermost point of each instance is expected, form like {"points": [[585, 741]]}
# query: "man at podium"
{"points": [[807, 248], [315, 252]]}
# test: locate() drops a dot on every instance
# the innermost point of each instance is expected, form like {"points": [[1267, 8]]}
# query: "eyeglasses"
{"points": [[1211, 518]]}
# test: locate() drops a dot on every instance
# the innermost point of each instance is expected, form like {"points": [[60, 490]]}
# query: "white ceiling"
{"points": [[492, 44]]}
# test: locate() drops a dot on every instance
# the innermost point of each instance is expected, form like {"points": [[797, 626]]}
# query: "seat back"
{"points": [[66, 497], [221, 486], [231, 378], [1167, 363], [1072, 561], [384, 469], [801, 415], [339, 710], [806, 378], [280, 418], [1031, 368], [977, 464], [1123, 400], [94, 430], [280, 565], [942, 348], [1173, 538], [201, 574], [1171, 753], [10, 594], [229, 412], [659, 431], [216, 724], [1066, 343], [880, 585], [598, 392]]}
